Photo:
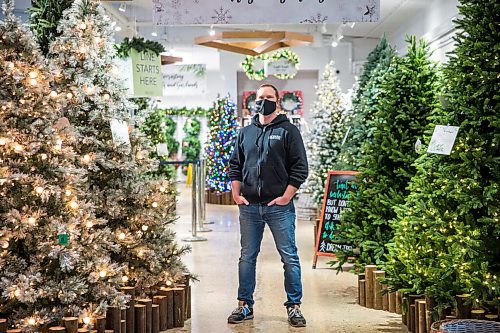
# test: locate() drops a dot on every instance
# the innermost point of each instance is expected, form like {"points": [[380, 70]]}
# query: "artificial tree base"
{"points": [[219, 198]]}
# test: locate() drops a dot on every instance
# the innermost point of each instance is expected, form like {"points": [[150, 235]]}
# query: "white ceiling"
{"points": [[137, 20]]}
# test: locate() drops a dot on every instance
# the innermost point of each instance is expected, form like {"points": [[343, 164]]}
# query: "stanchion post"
{"points": [[201, 199], [194, 216]]}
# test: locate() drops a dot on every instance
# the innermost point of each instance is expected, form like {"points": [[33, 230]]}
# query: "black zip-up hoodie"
{"points": [[267, 158]]}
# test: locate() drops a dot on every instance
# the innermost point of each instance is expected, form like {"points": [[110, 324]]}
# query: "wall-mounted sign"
{"points": [[181, 12], [182, 80], [280, 67]]}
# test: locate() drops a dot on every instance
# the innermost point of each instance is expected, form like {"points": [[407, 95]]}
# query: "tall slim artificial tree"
{"points": [[328, 130], [223, 126], [448, 232], [360, 124], [137, 207], [54, 252], [408, 97]]}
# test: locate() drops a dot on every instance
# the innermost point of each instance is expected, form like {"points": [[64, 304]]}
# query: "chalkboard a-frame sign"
{"points": [[340, 187]]}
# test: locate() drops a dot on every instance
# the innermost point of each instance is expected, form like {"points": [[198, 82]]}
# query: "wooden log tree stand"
{"points": [[148, 303], [3, 325], [224, 198], [155, 322], [178, 307], [463, 306], [57, 329], [71, 324], [100, 324], [377, 290], [130, 310], [369, 285]]}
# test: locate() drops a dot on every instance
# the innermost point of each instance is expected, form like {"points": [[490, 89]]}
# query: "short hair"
{"points": [[270, 86]]}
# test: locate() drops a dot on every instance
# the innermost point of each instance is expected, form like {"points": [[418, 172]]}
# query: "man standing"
{"points": [[267, 167]]}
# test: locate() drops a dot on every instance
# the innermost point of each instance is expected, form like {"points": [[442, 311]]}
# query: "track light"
{"points": [[118, 28], [351, 24], [123, 7], [335, 43], [211, 32], [154, 34]]}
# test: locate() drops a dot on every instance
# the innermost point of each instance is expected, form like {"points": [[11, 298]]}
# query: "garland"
{"points": [[247, 66], [259, 75], [139, 44], [291, 57], [186, 112]]}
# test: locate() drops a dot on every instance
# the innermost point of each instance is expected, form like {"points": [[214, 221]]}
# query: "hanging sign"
{"points": [[182, 80], [180, 12], [146, 72], [119, 131], [340, 187], [443, 139], [280, 67]]}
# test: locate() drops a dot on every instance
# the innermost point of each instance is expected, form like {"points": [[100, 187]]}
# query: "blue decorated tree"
{"points": [[223, 130]]}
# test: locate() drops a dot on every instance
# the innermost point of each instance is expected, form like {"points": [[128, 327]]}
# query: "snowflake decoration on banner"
{"points": [[175, 3], [221, 16], [370, 11], [316, 19]]}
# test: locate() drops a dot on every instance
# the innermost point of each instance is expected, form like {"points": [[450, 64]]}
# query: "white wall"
{"points": [[434, 23], [222, 68]]}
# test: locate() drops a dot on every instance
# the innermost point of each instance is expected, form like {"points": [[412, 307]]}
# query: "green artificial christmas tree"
{"points": [[223, 126], [159, 129], [408, 97], [191, 145], [138, 208], [448, 232], [44, 18], [54, 252], [328, 130], [360, 126]]}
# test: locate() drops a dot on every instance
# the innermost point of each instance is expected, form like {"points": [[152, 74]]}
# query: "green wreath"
{"points": [[247, 66], [290, 56], [290, 96]]}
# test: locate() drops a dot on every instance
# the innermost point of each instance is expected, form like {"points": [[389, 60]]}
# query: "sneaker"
{"points": [[295, 317], [240, 314]]}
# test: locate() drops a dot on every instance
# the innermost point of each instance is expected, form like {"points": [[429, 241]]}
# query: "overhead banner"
{"points": [[189, 12], [182, 80]]}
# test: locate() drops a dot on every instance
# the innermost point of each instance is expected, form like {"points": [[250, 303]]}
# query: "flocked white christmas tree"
{"points": [[328, 130], [137, 207], [54, 252]]}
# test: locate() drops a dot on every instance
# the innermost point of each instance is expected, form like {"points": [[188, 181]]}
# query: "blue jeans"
{"points": [[281, 221]]}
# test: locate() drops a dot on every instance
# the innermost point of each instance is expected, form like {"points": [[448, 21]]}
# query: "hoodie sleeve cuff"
{"points": [[294, 183]]}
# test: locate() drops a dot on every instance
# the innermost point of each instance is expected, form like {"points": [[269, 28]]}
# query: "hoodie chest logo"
{"points": [[275, 137]]}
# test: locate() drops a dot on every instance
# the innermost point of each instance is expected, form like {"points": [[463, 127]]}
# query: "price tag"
{"points": [[443, 139], [119, 130], [162, 149]]}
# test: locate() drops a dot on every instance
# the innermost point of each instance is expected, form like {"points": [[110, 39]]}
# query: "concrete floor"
{"points": [[329, 302]]}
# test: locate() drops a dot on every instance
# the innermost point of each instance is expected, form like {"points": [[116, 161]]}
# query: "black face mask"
{"points": [[265, 106]]}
